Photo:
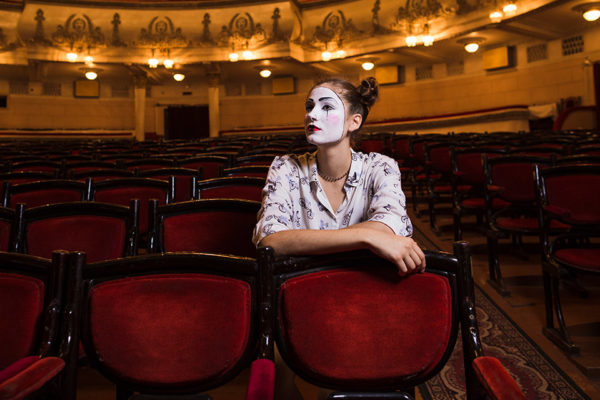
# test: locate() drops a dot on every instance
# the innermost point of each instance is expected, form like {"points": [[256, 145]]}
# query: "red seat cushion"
{"points": [[172, 328], [588, 259], [102, 238], [526, 224], [21, 305], [350, 326], [496, 379], [210, 232], [5, 227]]}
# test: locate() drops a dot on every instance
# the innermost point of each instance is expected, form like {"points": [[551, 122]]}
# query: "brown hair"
{"points": [[360, 98]]}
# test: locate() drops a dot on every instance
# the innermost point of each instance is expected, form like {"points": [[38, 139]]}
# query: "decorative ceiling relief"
{"points": [[206, 39], [115, 40], [333, 32], [243, 33], [79, 34], [39, 37], [161, 34], [416, 15]]}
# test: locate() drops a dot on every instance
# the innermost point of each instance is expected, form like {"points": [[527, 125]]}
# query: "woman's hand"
{"points": [[402, 251]]}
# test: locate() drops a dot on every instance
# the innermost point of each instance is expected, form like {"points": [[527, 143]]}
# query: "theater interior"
{"points": [[177, 80]]}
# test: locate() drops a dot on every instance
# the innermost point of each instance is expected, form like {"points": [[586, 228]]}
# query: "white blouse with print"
{"points": [[294, 199]]}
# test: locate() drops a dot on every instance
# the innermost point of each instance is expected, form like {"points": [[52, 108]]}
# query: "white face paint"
{"points": [[325, 116]]}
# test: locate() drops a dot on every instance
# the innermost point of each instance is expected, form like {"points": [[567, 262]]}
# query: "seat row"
{"points": [[108, 231], [175, 325]]}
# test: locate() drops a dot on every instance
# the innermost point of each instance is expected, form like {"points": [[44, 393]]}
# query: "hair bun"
{"points": [[369, 91]]}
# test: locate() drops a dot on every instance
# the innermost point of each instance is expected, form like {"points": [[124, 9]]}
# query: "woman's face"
{"points": [[325, 116]]}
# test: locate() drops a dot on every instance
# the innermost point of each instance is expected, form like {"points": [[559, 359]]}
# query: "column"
{"points": [[214, 115], [140, 81]]}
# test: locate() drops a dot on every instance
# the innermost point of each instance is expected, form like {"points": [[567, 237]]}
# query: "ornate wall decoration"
{"points": [[162, 35], [5, 45], [276, 34], [334, 30], [242, 33], [79, 33], [377, 27], [39, 37], [416, 14], [115, 40], [206, 38]]}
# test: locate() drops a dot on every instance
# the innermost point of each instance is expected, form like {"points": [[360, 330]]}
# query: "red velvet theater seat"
{"points": [[567, 195], [31, 302], [349, 323], [48, 191], [172, 324], [231, 187], [7, 217], [104, 231], [221, 226]]}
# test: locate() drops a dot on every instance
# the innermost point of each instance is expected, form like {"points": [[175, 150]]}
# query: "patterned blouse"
{"points": [[294, 199]]}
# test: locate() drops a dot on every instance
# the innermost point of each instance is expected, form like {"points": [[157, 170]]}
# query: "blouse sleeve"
{"points": [[388, 203], [276, 211]]}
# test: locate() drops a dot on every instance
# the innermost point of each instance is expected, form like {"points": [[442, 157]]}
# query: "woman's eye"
{"points": [[327, 107], [308, 107]]}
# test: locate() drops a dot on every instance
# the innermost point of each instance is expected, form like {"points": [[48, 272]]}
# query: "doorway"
{"points": [[186, 122]]}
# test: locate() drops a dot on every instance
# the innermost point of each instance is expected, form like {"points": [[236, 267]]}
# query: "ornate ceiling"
{"points": [[118, 32]]}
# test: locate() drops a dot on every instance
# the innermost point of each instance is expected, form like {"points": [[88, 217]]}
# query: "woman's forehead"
{"points": [[325, 89]]}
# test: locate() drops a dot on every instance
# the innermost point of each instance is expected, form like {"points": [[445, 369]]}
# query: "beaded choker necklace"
{"points": [[331, 178]]}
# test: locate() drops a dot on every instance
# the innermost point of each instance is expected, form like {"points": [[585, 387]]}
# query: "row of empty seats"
{"points": [[175, 325]]}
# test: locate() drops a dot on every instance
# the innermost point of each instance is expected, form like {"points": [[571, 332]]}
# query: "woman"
{"points": [[335, 199]]}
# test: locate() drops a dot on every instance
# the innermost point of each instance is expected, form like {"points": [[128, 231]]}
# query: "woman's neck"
{"points": [[334, 161]]}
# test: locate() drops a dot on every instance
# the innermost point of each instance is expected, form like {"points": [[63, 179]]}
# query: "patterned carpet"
{"points": [[538, 376]]}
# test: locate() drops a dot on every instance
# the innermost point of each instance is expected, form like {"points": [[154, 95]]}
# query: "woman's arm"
{"points": [[375, 236]]}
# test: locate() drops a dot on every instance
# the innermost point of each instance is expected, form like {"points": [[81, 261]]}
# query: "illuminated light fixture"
{"points": [[72, 57], [247, 54], [427, 40], [326, 56], [265, 72], [411, 41], [178, 77], [471, 47], [89, 60], [168, 63], [340, 54], [471, 44], [153, 62], [91, 75], [589, 11], [233, 57], [496, 16], [368, 65], [510, 8]]}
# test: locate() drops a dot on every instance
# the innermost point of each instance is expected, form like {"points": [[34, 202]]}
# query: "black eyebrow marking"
{"points": [[326, 98]]}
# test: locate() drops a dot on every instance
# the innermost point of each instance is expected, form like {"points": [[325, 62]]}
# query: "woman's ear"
{"points": [[355, 122]]}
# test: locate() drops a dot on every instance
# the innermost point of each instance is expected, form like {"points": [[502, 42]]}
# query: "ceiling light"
{"points": [[509, 8], [326, 56], [471, 44], [233, 57], [152, 62], [471, 47], [265, 73], [247, 54], [367, 65], [89, 60], [91, 75], [168, 63], [340, 54], [589, 11], [411, 41], [427, 40], [496, 16], [72, 57], [178, 77], [591, 15]]}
